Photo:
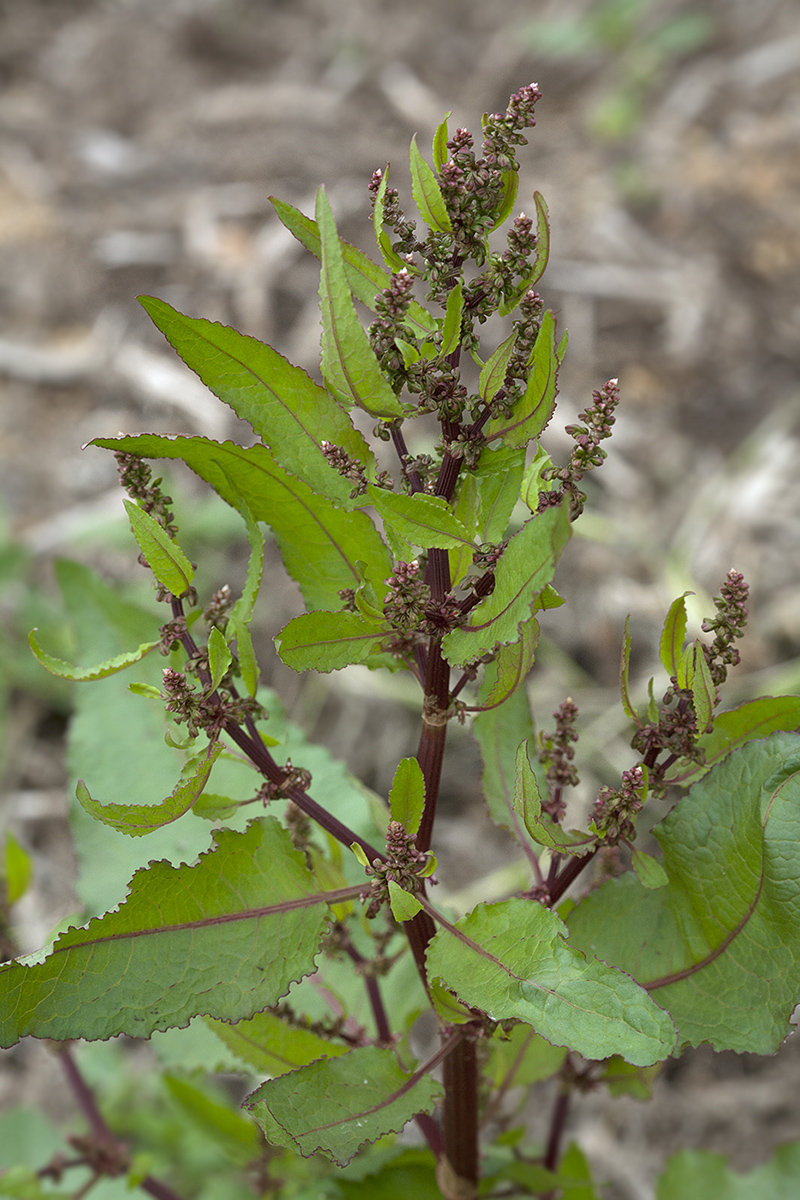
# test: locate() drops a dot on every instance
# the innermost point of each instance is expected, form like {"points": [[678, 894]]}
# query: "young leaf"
{"points": [[498, 479], [390, 256], [514, 962], [510, 189], [526, 567], [493, 372], [755, 719], [320, 543], [338, 1105], [427, 193], [248, 663], [704, 693], [719, 944], [364, 276], [527, 800], [349, 366], [65, 670], [138, 819], [17, 869], [649, 871], [673, 635], [290, 412], [219, 656], [328, 641], [164, 556], [535, 407], [440, 143], [451, 326], [407, 797], [465, 510], [539, 264], [421, 519], [267, 1043], [403, 904], [624, 666], [511, 667], [183, 943]]}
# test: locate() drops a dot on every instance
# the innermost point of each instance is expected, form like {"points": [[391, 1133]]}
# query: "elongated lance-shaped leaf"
{"points": [[719, 946], [320, 543], [704, 693], [624, 667], [511, 666], [466, 510], [673, 635], [224, 938], [349, 366], [339, 1105], [498, 478], [427, 193], [267, 1043], [17, 869], [526, 567], [493, 372], [498, 733], [439, 146], [328, 641], [539, 265], [407, 797], [750, 721], [421, 519], [451, 326], [138, 819], [513, 961], [365, 277], [510, 189], [219, 656], [290, 412], [390, 256], [164, 556], [65, 670], [528, 805], [535, 407]]}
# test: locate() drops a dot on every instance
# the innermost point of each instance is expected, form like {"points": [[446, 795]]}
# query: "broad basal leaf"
{"points": [[65, 670], [701, 1175], [339, 1105], [164, 556], [535, 407], [328, 641], [224, 938], [320, 543], [526, 567], [421, 519], [349, 366], [719, 946], [513, 961], [138, 819]]}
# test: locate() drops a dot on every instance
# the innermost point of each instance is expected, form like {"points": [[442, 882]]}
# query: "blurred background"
{"points": [[139, 143]]}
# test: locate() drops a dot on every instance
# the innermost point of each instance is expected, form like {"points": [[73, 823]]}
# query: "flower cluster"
{"points": [[171, 634], [586, 454], [556, 752], [394, 217], [351, 468], [402, 865], [404, 604], [614, 809], [674, 731], [728, 625], [391, 306], [136, 477], [220, 605], [197, 711]]}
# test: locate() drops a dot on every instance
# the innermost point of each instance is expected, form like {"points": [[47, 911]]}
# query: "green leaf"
{"points": [[755, 719], [364, 276], [219, 656], [719, 945], [512, 665], [526, 567], [164, 556], [535, 407], [184, 943], [328, 641], [407, 797], [427, 193], [521, 1057], [349, 366], [649, 871], [510, 189], [339, 1105], [493, 372], [701, 1175], [498, 478], [65, 670], [290, 412], [237, 1136], [138, 819], [390, 256], [513, 961], [673, 635], [440, 143], [539, 264], [499, 731], [267, 1043], [421, 519], [17, 869], [245, 652], [320, 543], [404, 905], [528, 804], [451, 326], [624, 666], [465, 510], [704, 693]]}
